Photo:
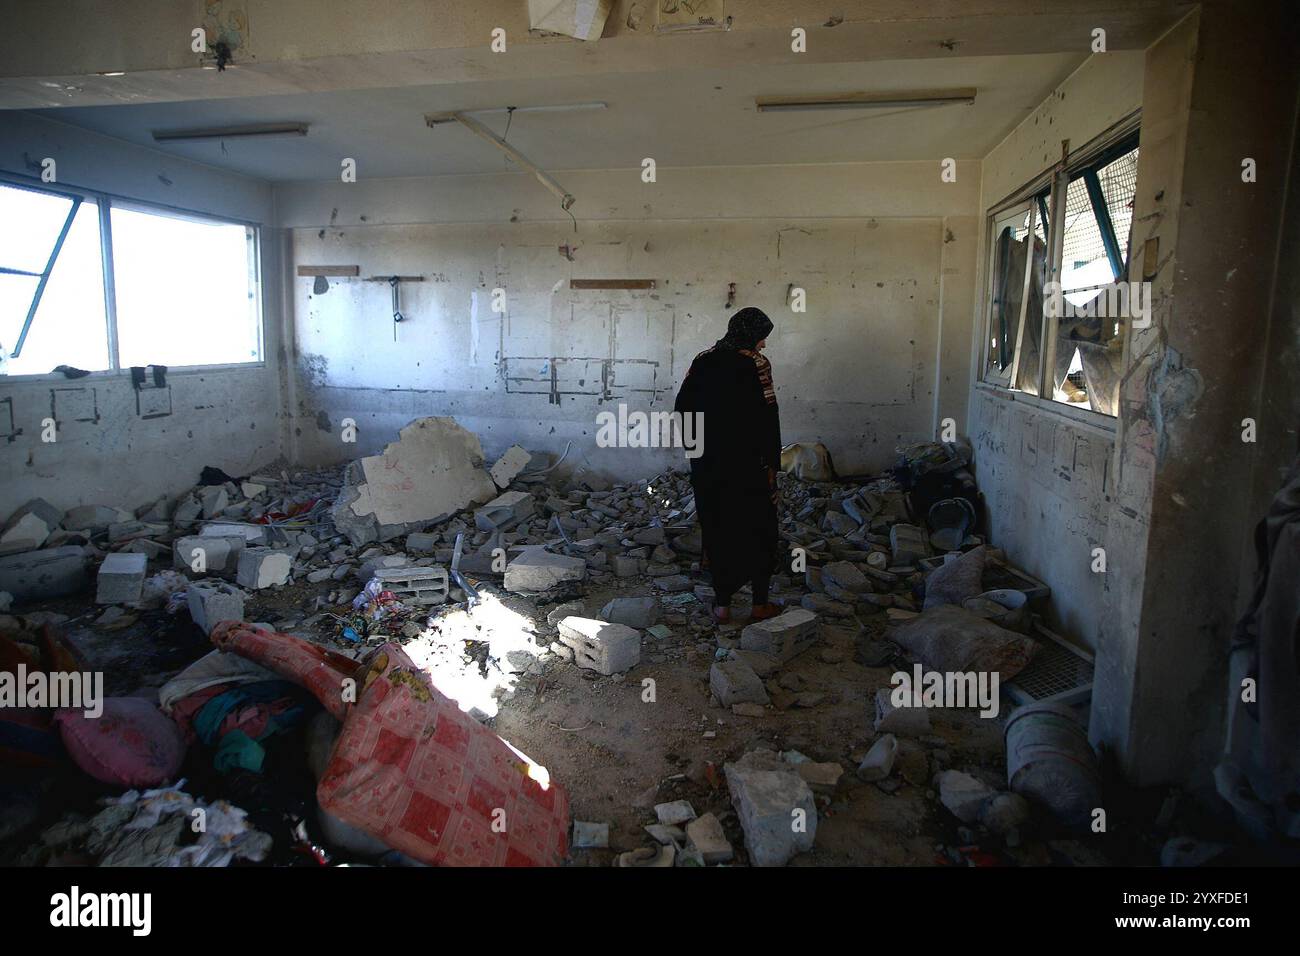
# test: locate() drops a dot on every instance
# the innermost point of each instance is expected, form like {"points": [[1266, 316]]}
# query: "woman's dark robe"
{"points": [[734, 491]]}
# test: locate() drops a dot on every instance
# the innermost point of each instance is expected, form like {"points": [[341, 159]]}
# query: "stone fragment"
{"points": [[639, 612], [514, 460], [705, 834], [121, 578], [784, 636], [263, 568], [734, 682], [537, 570]]}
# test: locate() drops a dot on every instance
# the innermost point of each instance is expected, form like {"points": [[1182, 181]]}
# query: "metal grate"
{"points": [[1057, 673]]}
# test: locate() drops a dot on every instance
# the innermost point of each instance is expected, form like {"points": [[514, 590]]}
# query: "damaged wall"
{"points": [[1046, 473], [112, 449], [1223, 88], [881, 250]]}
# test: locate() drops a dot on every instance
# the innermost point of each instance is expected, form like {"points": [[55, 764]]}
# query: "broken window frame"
{"points": [[1054, 183], [105, 203]]}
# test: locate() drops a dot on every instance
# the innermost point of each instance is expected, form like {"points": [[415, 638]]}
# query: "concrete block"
{"points": [[909, 543], [626, 566], [416, 585], [965, 796], [47, 573], [509, 465], [734, 682], [121, 578], [639, 612], [784, 636], [504, 511], [29, 526], [263, 568], [252, 489], [705, 834], [776, 810], [904, 721], [207, 555], [187, 512], [601, 646], [538, 570], [210, 603]]}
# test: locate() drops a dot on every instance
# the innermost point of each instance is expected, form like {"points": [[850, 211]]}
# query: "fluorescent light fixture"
{"points": [[113, 73], [229, 132], [864, 101]]}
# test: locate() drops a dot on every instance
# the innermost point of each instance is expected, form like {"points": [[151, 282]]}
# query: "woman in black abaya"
{"points": [[730, 386]]}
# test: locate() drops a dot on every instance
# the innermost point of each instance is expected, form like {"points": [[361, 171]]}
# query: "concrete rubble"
{"points": [[497, 582]]}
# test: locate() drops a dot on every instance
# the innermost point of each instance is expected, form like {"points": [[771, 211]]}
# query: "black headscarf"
{"points": [[746, 329]]}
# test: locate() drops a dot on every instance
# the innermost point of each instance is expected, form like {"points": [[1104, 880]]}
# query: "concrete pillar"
{"points": [[1220, 87]]}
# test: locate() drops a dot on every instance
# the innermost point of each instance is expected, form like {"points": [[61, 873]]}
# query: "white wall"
{"points": [[1045, 476], [879, 249], [109, 450]]}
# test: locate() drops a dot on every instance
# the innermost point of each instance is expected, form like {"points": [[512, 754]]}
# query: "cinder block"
{"points": [[210, 603], [121, 578], [784, 636], [200, 554], [600, 646], [47, 573], [263, 568], [416, 585], [504, 511], [734, 682]]}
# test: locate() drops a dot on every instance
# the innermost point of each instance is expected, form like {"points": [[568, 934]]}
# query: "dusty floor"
{"points": [[618, 753]]}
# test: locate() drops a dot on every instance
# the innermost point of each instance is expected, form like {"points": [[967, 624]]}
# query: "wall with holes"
{"points": [[112, 444], [857, 370]]}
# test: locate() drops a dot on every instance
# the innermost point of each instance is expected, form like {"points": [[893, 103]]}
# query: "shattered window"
{"points": [[51, 283], [1096, 302], [1080, 322]]}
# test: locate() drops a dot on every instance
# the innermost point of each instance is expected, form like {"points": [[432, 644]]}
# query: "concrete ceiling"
{"points": [[680, 118]]}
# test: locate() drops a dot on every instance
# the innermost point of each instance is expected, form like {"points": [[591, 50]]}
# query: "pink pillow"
{"points": [[132, 744]]}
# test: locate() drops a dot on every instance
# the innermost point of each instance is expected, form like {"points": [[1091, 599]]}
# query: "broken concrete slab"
{"points": [[434, 469], [847, 576], [46, 573], [29, 526], [600, 646], [775, 805], [121, 578], [590, 836], [734, 682], [514, 460], [263, 568], [213, 500], [253, 534], [784, 636], [536, 570], [639, 612]]}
